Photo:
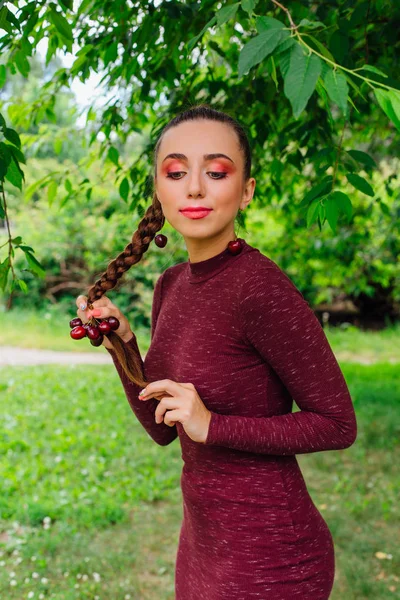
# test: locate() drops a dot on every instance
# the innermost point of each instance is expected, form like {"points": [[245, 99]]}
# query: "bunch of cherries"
{"points": [[94, 329]]}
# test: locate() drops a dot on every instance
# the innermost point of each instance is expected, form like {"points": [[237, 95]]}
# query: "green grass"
{"points": [[350, 343], [72, 451], [50, 330]]}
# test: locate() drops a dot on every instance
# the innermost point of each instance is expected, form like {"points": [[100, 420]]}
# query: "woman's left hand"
{"points": [[183, 405]]}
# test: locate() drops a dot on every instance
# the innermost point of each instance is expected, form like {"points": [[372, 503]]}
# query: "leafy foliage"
{"points": [[313, 83]]}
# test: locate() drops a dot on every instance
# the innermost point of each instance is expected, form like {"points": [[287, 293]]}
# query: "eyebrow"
{"points": [[180, 156]]}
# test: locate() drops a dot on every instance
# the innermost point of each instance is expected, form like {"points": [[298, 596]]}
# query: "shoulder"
{"points": [[168, 276], [263, 278]]}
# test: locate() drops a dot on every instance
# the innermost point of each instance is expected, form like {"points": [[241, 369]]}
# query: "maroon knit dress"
{"points": [[241, 332]]}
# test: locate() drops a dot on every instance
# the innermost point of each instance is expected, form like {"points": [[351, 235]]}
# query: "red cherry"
{"points": [[98, 341], [75, 323], [77, 333], [93, 332], [235, 247], [160, 240], [113, 323], [105, 327]]}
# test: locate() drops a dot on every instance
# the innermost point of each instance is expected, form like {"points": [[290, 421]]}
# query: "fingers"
{"points": [[103, 312], [107, 308], [81, 302]]}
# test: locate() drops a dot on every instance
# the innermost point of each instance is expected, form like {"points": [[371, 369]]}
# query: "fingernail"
{"points": [[96, 312], [83, 306]]}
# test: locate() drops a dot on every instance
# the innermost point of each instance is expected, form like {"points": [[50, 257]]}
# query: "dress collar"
{"points": [[205, 269]]}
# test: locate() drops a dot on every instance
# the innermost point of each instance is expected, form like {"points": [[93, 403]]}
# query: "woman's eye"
{"points": [[171, 173], [219, 174]]}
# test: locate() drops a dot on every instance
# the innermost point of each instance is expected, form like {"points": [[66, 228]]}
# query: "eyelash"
{"points": [[223, 175]]}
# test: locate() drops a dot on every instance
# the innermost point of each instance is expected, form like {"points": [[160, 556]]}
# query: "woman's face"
{"points": [[195, 179]]}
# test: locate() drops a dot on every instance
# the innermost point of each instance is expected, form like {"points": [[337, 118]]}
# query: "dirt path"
{"points": [[12, 356]]}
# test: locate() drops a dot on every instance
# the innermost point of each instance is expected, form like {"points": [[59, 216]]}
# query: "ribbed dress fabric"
{"points": [[238, 328]]}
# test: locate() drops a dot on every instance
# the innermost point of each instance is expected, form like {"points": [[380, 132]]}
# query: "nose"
{"points": [[195, 184]]}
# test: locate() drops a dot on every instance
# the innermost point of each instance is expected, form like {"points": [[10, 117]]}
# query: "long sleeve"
{"points": [[161, 433], [279, 324]]}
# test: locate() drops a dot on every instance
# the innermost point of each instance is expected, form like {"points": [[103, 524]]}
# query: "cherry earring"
{"points": [[235, 247], [161, 240]]}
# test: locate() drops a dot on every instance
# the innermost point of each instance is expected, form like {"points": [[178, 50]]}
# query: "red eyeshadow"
{"points": [[222, 168]]}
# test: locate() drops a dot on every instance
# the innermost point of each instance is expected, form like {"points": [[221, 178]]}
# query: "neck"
{"points": [[202, 249]]}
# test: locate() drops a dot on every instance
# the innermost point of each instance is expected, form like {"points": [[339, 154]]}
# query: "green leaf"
{"points": [[332, 212], [343, 203], [373, 70], [318, 190], [5, 267], [311, 24], [3, 75], [249, 5], [57, 145], [124, 189], [267, 23], [362, 157], [360, 184], [389, 101], [23, 286], [22, 63], [312, 212], [191, 43], [272, 70], [285, 45], [257, 49], [87, 48], [4, 22], [78, 62], [35, 265], [113, 155], [226, 13], [12, 136], [318, 46], [27, 248], [51, 191], [68, 186], [14, 174], [301, 78], [337, 88], [61, 24], [384, 207], [111, 53]]}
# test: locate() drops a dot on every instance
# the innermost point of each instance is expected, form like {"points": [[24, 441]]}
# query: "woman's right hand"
{"points": [[108, 309]]}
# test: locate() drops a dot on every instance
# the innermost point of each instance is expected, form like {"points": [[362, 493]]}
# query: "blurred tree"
{"points": [[312, 82]]}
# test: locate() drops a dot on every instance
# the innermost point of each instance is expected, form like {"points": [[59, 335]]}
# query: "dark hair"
{"points": [[152, 221]]}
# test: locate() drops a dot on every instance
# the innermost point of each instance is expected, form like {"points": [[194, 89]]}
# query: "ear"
{"points": [[248, 193]]}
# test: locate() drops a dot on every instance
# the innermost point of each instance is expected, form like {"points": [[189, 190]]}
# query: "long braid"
{"points": [[152, 221]]}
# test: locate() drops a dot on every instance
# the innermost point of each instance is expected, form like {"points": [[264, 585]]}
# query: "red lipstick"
{"points": [[195, 212]]}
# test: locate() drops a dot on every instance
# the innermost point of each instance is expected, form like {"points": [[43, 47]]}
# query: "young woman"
{"points": [[233, 344]]}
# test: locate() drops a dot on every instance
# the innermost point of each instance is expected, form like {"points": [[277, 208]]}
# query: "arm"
{"points": [[278, 322], [161, 433]]}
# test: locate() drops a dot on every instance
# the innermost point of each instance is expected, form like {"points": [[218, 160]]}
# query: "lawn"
{"points": [[50, 330], [91, 506]]}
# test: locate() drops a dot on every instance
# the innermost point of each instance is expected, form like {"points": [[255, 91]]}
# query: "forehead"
{"points": [[195, 138]]}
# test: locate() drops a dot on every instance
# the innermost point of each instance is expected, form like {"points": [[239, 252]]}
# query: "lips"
{"points": [[196, 213], [195, 208]]}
